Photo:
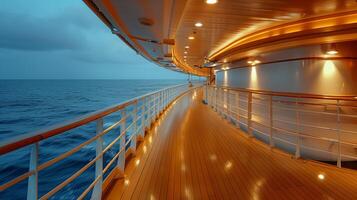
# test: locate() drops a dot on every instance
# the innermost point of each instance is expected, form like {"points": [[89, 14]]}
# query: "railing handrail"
{"points": [[33, 137], [267, 114], [293, 94]]}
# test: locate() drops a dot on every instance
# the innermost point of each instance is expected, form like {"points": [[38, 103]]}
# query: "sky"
{"points": [[63, 39]]}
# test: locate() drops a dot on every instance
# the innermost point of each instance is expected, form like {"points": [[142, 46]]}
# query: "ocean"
{"points": [[30, 105]]}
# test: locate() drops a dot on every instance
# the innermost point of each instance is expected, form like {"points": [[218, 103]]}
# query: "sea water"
{"points": [[30, 105]]}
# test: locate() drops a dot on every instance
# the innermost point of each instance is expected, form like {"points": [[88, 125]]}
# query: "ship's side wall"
{"points": [[315, 76]]}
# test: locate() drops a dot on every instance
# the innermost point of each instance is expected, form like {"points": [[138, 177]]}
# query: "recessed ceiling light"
{"points": [[187, 47], [332, 52], [211, 1], [191, 38], [198, 24], [254, 62], [185, 52], [185, 56]]}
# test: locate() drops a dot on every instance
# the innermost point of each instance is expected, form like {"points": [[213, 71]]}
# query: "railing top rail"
{"points": [[33, 137], [294, 95]]}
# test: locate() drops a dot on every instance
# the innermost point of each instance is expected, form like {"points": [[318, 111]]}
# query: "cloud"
{"points": [[30, 33]]}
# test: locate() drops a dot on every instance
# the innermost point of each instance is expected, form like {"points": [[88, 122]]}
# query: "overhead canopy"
{"points": [[231, 29]]}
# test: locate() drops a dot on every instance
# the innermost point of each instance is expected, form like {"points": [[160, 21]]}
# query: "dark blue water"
{"points": [[29, 105]]}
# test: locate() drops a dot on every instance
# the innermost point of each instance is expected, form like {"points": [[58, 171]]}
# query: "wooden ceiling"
{"points": [[230, 20], [228, 26]]}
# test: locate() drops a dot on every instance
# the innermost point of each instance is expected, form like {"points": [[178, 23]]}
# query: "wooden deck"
{"points": [[192, 153]]}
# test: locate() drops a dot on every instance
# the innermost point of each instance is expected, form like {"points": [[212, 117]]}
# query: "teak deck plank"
{"points": [[196, 154]]}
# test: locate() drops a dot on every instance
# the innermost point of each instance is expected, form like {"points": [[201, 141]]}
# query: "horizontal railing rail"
{"points": [[141, 111], [312, 125]]}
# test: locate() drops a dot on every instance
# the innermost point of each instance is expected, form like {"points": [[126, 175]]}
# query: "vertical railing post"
{"points": [[150, 111], [215, 99], [238, 108], [271, 121], [135, 128], [162, 101], [228, 105], [121, 158], [250, 99], [32, 188], [157, 106], [206, 94], [339, 156], [220, 101], [97, 191], [298, 143], [143, 126]]}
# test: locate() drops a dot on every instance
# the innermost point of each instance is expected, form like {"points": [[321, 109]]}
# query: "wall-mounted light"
{"points": [[191, 38], [198, 24], [329, 50], [253, 62]]}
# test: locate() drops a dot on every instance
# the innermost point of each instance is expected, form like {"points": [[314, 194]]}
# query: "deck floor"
{"points": [[193, 153]]}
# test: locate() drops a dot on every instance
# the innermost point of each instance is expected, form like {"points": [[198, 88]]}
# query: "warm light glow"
{"points": [[137, 162], [126, 182], [187, 47], [228, 165], [253, 62], [321, 176], [329, 68], [185, 56], [332, 52], [150, 139], [191, 38], [152, 197], [211, 1], [253, 74], [213, 157], [198, 24], [185, 52], [225, 106], [144, 149], [183, 167]]}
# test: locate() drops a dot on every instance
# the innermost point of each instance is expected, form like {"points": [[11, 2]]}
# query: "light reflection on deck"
{"points": [[195, 154]]}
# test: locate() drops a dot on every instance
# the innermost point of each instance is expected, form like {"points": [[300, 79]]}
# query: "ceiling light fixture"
{"points": [[254, 62], [211, 1], [187, 47], [191, 38], [329, 50], [185, 52], [198, 24], [332, 52]]}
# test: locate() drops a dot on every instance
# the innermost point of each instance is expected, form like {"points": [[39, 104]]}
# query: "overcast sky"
{"points": [[63, 39]]}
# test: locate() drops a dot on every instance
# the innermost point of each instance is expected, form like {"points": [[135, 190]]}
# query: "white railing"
{"points": [[310, 126], [137, 115]]}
